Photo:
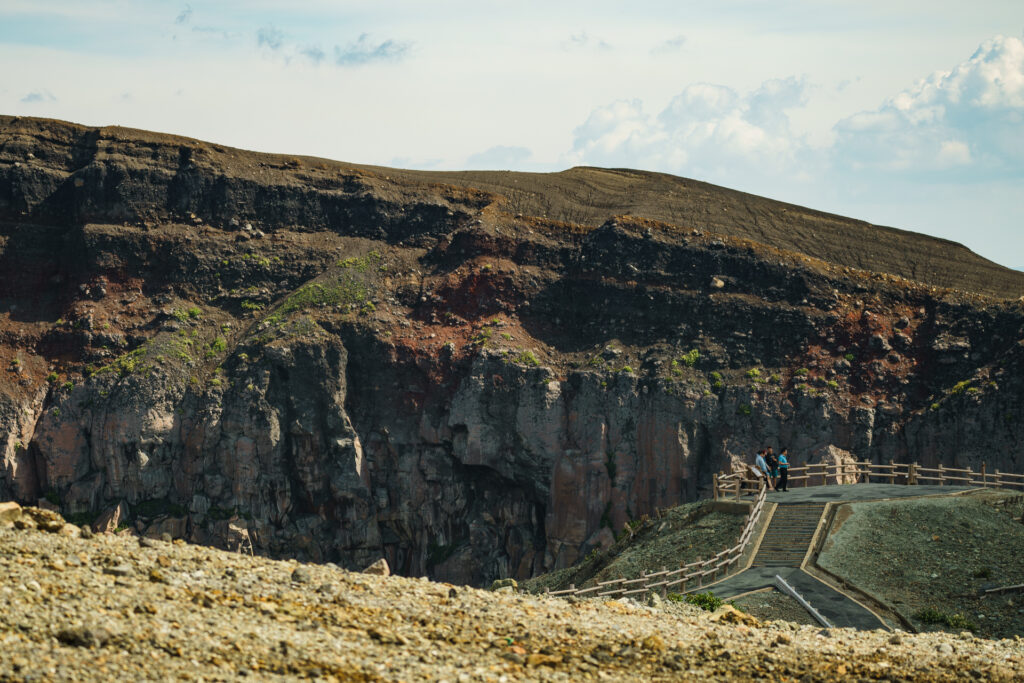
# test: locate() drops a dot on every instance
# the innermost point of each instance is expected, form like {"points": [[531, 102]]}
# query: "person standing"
{"points": [[773, 467], [761, 465], [783, 470]]}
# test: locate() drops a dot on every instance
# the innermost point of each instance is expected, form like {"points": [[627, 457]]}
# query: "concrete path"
{"points": [[841, 611], [856, 492], [787, 540]]}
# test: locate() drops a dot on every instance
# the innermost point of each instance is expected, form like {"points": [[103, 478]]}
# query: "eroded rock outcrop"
{"points": [[334, 365]]}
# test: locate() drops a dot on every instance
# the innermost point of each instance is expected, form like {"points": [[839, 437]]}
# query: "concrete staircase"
{"points": [[789, 535]]}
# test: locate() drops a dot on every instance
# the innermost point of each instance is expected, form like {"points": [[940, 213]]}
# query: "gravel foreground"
{"points": [[117, 607]]}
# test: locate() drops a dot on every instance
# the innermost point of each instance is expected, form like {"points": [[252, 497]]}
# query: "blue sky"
{"points": [[905, 113]]}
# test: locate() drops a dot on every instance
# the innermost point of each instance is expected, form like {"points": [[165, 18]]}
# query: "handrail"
{"points": [[735, 484], [731, 484], [698, 571]]}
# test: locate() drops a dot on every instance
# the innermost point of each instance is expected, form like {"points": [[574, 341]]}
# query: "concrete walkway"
{"points": [[840, 610], [847, 493]]}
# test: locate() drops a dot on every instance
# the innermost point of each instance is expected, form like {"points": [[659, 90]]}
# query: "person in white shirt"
{"points": [[761, 464]]}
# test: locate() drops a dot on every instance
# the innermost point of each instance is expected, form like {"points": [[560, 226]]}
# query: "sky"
{"points": [[906, 113]]}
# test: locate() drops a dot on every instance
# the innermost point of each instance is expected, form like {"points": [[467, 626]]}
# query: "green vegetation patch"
{"points": [[127, 363], [960, 387], [350, 286], [527, 358], [690, 358], [341, 291], [706, 601], [930, 615]]}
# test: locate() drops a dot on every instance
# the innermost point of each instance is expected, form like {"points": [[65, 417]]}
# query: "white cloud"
{"points": [[673, 44], [582, 40], [970, 117], [185, 16], [954, 152], [314, 53], [707, 131], [357, 53], [37, 96], [270, 37], [363, 51], [499, 157]]}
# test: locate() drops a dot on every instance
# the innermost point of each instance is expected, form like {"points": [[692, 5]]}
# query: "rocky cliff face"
{"points": [[329, 362]]}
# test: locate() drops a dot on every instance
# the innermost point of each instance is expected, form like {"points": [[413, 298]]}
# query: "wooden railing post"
{"points": [[984, 480], [912, 473], [714, 485], [942, 476]]}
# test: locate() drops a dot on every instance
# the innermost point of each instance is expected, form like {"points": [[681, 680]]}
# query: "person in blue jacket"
{"points": [[783, 470]]}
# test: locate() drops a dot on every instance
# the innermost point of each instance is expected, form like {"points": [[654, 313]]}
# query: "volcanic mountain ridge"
{"points": [[475, 375]]}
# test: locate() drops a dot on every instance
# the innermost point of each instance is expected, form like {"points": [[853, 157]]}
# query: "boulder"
{"points": [[70, 530], [9, 512], [46, 520], [379, 568], [175, 527], [831, 456], [727, 614], [111, 519], [237, 537]]}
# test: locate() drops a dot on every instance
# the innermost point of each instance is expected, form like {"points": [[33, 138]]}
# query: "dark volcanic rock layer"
{"points": [[342, 362]]}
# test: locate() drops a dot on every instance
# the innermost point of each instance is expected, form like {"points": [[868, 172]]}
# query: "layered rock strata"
{"points": [[324, 361]]}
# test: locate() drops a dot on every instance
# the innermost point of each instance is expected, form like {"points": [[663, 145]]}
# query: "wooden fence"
{"points": [[687, 576], [746, 481]]}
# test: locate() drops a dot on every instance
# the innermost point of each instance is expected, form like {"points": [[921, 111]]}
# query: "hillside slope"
{"points": [[582, 195], [936, 554], [589, 196]]}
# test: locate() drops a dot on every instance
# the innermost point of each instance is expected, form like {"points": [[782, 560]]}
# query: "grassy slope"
{"points": [[682, 535], [936, 553]]}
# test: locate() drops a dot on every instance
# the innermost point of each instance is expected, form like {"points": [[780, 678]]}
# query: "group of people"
{"points": [[775, 468]]}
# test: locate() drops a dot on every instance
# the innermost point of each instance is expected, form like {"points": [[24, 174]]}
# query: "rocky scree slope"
{"points": [[337, 363], [113, 606]]}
